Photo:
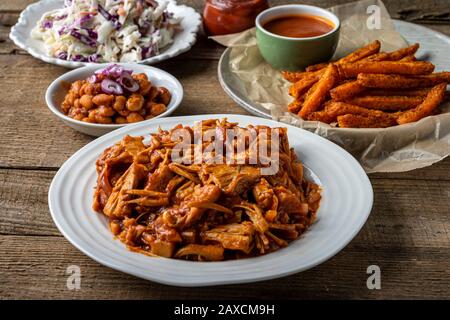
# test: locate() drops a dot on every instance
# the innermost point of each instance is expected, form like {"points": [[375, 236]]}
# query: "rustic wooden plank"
{"points": [[35, 268], [435, 17], [395, 219], [18, 5], [434, 11], [203, 49], [31, 136], [50, 142], [407, 234], [412, 9], [23, 199], [438, 171], [14, 6]]}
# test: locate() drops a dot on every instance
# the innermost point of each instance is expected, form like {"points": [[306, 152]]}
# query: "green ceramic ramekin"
{"points": [[293, 54]]}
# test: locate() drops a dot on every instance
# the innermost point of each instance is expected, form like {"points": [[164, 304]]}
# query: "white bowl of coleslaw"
{"points": [[75, 33], [58, 88]]}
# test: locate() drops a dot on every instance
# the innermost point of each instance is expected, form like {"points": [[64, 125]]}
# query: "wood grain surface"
{"points": [[407, 234]]}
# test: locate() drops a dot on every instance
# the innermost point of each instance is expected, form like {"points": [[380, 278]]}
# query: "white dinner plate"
{"points": [[347, 202], [20, 33], [434, 47], [57, 91]]}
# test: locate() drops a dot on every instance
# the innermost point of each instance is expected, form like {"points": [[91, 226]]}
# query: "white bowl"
{"points": [[56, 92], [345, 206], [20, 33]]}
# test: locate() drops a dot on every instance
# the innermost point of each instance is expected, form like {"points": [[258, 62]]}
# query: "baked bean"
{"points": [[77, 104], [83, 89], [102, 119], [124, 112], [153, 94], [78, 116], [70, 98], [89, 89], [103, 99], [75, 112], [92, 114], [86, 101], [142, 112], [76, 87], [119, 103], [134, 117], [135, 102], [120, 120], [144, 84], [157, 108], [97, 89], [65, 107], [164, 95], [105, 111], [145, 88]]}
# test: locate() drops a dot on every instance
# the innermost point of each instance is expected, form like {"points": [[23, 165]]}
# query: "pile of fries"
{"points": [[369, 89]]}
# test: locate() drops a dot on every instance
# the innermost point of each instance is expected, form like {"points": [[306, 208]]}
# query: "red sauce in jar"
{"points": [[230, 16]]}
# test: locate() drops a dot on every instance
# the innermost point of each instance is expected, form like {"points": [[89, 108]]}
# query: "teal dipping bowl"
{"points": [[294, 54]]}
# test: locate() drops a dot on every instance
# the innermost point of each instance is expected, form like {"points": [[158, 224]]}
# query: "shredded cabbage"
{"points": [[107, 30]]}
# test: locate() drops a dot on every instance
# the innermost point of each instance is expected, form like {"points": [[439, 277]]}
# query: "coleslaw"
{"points": [[107, 30]]}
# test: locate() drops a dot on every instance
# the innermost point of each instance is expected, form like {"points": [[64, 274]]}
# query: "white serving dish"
{"points": [[434, 48], [345, 207], [21, 33], [56, 92]]}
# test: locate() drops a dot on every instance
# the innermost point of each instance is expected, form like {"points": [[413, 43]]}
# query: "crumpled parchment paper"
{"points": [[394, 149]]}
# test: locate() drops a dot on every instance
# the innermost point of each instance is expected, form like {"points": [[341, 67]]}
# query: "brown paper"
{"points": [[394, 149]]}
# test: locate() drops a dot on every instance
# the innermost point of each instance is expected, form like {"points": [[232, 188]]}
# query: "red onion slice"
{"points": [[92, 79], [128, 82], [111, 87], [115, 71]]}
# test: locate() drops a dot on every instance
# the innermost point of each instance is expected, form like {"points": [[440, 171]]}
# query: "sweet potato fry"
{"points": [[431, 102], [404, 52], [358, 121], [347, 91], [317, 96], [335, 109], [322, 116], [410, 58], [387, 81], [295, 106], [292, 76], [317, 67], [381, 56], [310, 91], [369, 89], [362, 53], [302, 86], [387, 103], [351, 70], [423, 92]]}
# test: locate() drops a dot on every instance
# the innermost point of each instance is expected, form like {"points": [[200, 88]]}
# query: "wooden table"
{"points": [[407, 234]]}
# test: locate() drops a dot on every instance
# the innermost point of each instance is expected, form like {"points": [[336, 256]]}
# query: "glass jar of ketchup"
{"points": [[230, 16]]}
